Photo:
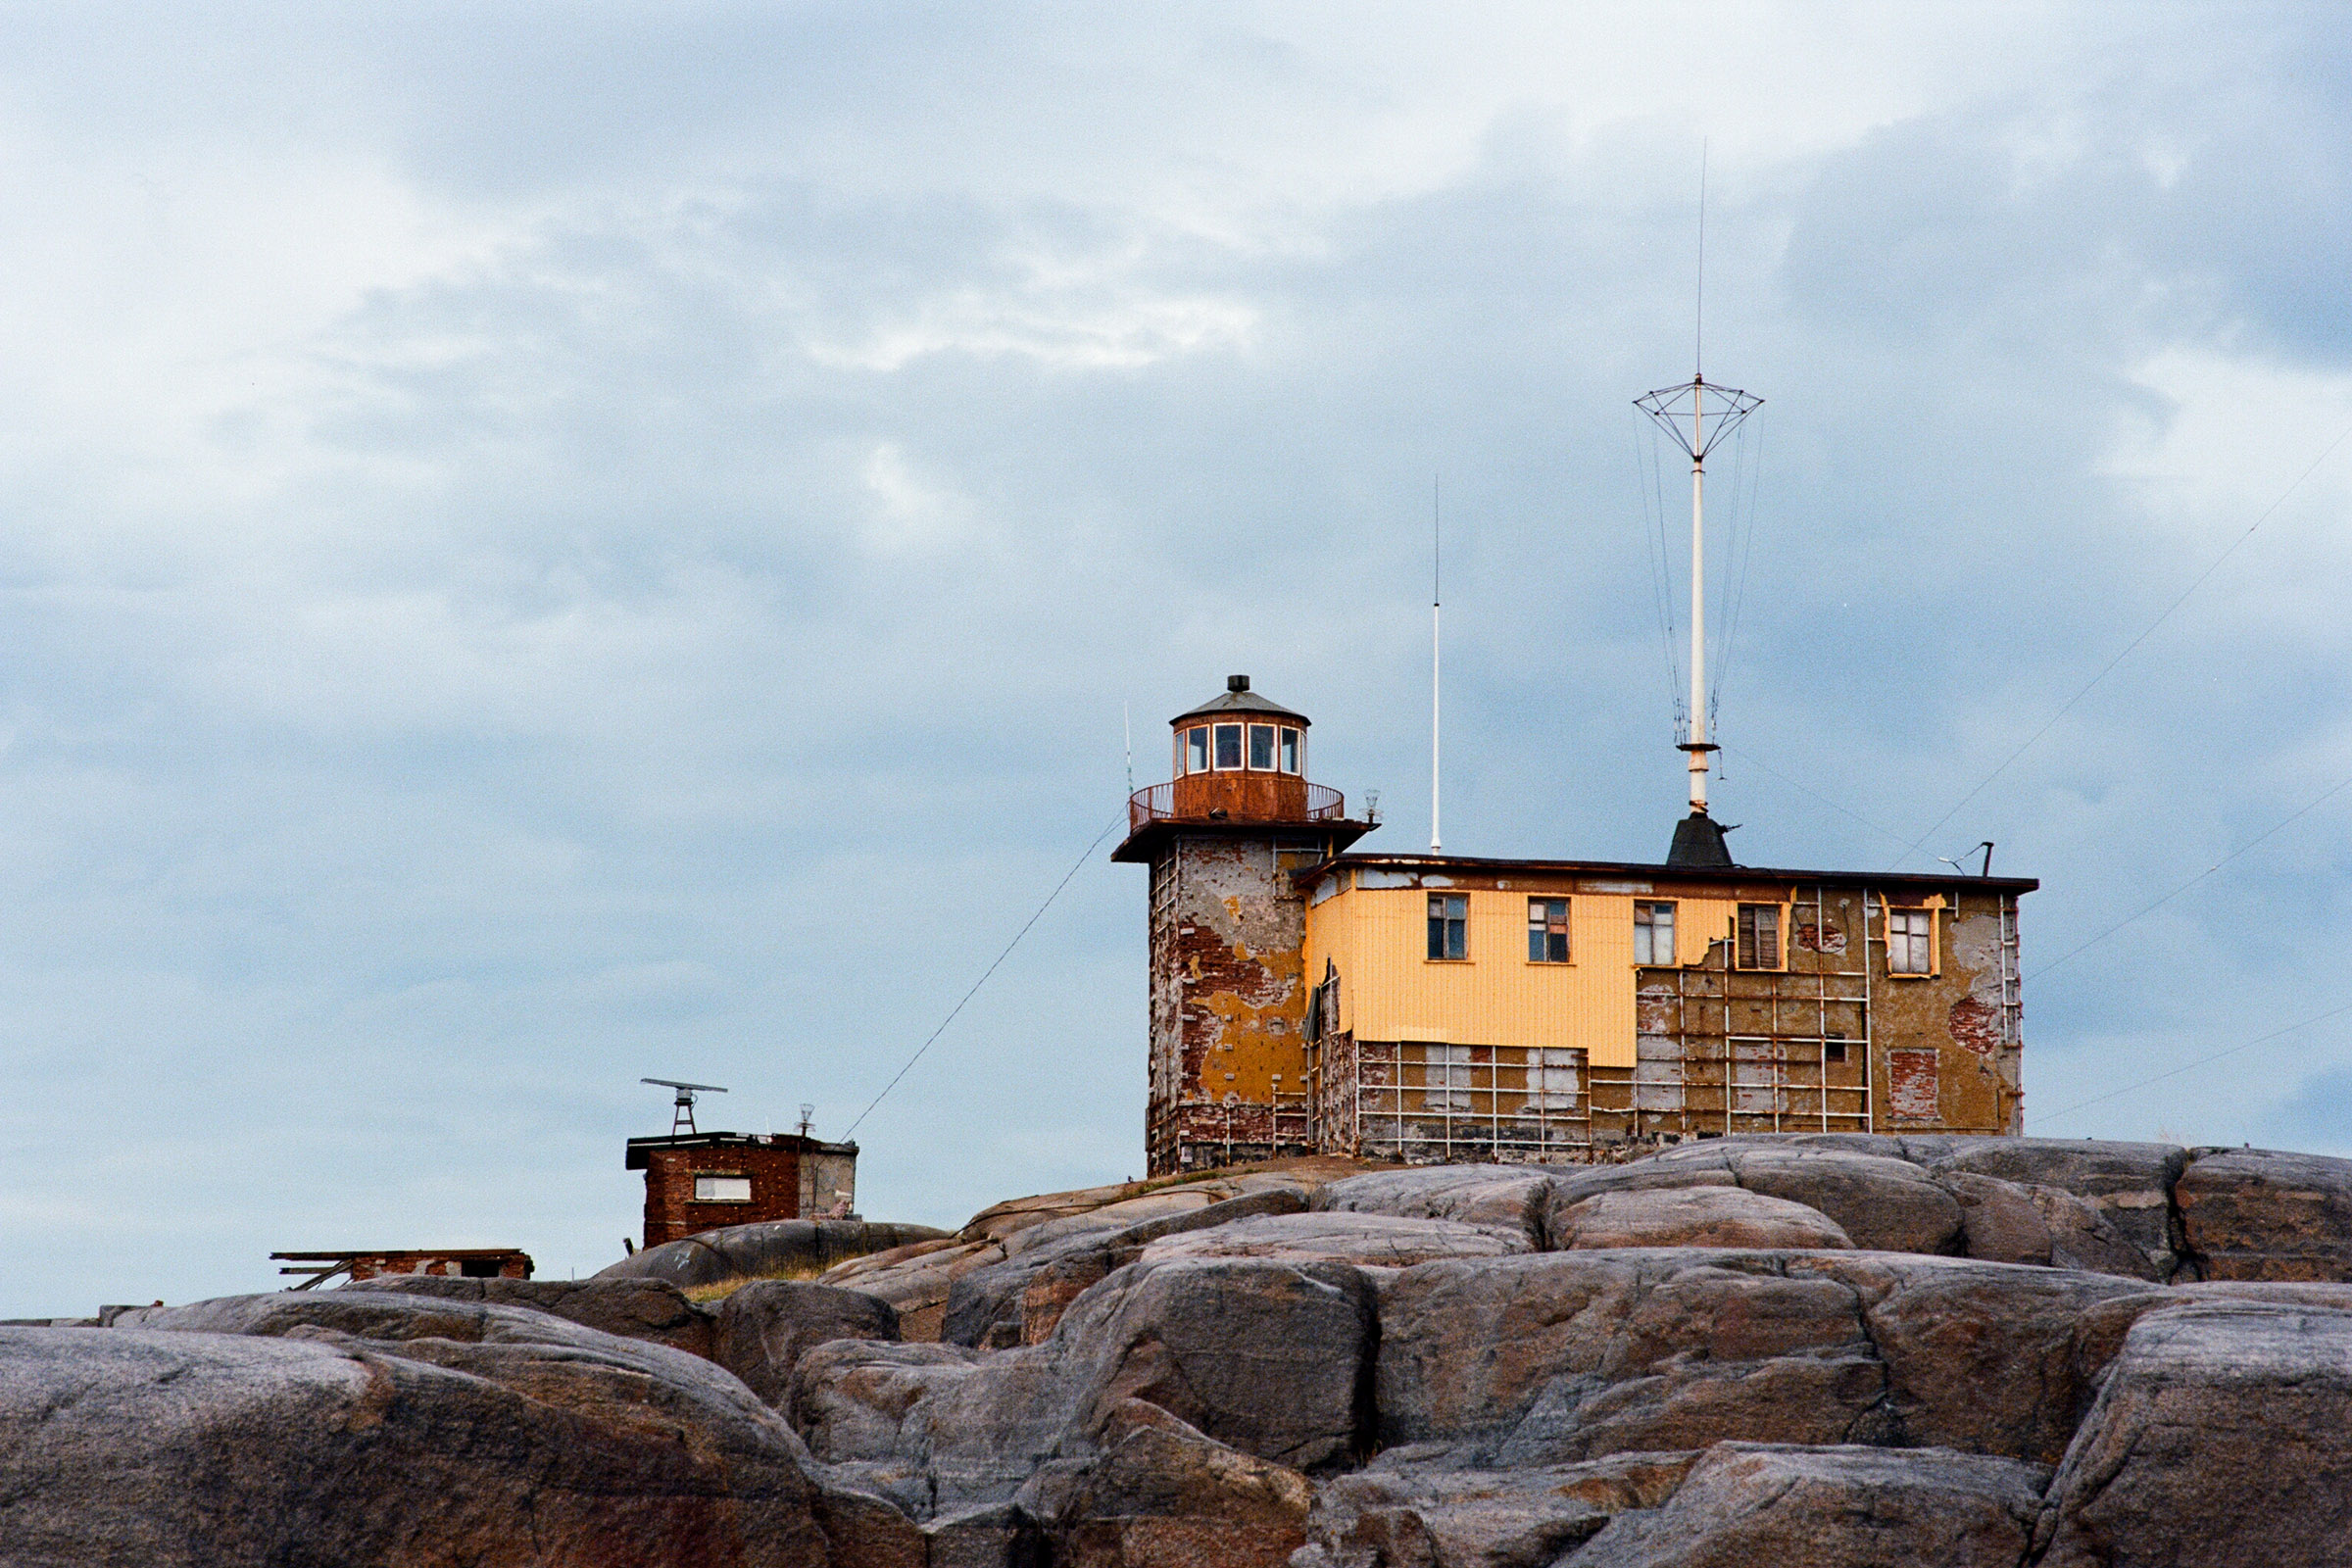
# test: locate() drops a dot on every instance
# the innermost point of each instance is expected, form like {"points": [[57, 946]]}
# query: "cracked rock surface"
{"points": [[1832, 1351]]}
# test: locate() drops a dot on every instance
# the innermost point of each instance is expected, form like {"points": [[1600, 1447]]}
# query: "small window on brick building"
{"points": [[723, 1189], [1834, 1050], [1547, 930], [1910, 942], [1653, 933], [1759, 945], [1448, 925]]}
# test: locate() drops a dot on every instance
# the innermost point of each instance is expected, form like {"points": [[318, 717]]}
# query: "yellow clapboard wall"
{"points": [[1377, 939]]}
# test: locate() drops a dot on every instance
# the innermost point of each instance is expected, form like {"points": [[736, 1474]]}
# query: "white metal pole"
{"points": [[1435, 580], [1698, 602]]}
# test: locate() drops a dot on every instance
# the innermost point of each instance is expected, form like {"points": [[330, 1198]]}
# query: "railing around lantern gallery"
{"points": [[1235, 796]]}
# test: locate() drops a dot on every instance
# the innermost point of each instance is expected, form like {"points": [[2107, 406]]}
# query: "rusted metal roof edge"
{"points": [[1133, 849], [1671, 873]]}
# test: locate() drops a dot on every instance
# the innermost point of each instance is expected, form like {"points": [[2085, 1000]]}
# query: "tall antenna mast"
{"points": [[1695, 417], [1436, 539]]}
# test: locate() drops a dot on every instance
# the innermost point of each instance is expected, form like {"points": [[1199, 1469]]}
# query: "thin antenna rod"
{"points": [[1698, 599], [1436, 579], [1698, 754], [1732, 406], [1698, 308], [1127, 728]]}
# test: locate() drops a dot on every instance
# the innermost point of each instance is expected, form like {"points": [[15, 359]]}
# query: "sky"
{"points": [[546, 546]]}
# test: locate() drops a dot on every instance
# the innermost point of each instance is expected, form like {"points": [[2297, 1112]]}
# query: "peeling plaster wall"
{"points": [[1968, 1014], [1228, 1001]]}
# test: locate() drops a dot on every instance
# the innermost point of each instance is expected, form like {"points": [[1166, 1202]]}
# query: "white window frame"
{"points": [[1250, 748], [1241, 747], [1918, 939], [1195, 758], [1292, 749], [1645, 933], [707, 1187]]}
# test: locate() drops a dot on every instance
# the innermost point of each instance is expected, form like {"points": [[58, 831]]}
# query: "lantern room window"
{"points": [[1290, 751], [1229, 746], [1195, 750], [1261, 747]]}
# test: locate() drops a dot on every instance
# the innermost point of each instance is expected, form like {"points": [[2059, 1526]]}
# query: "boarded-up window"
{"points": [[1760, 946], [1912, 1087], [723, 1189], [1657, 1073], [1552, 1079], [1760, 1071], [1449, 1077], [1910, 942]]}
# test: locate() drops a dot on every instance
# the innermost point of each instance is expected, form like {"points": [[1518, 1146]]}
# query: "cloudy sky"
{"points": [[544, 546]]}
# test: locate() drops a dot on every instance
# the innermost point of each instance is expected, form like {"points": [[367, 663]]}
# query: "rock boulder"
{"points": [[771, 1249], [2222, 1433], [1692, 1216], [765, 1328], [2259, 1214], [633, 1308], [1844, 1507], [192, 1448]]}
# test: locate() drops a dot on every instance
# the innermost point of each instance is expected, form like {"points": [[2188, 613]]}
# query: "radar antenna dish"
{"points": [[682, 1109]]}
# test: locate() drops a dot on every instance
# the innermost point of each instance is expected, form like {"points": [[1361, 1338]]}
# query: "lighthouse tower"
{"points": [[1224, 839]]}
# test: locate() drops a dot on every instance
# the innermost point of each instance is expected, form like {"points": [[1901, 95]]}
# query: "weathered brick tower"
{"points": [[1228, 929]]}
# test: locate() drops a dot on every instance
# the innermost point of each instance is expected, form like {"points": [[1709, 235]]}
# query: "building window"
{"points": [[1910, 942], [1229, 746], [1261, 747], [1653, 934], [1448, 925], [1547, 930], [1290, 751], [1195, 750], [1760, 946], [1833, 1050], [723, 1189]]}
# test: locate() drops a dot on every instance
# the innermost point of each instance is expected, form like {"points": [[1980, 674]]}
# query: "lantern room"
{"points": [[1238, 757]]}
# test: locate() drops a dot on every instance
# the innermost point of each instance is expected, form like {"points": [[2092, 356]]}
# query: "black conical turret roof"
{"points": [[1698, 845]]}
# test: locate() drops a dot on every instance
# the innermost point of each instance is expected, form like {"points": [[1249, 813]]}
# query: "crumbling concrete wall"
{"points": [[1228, 1060]]}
